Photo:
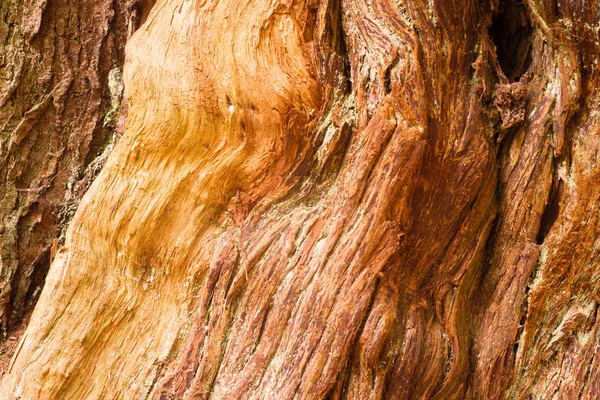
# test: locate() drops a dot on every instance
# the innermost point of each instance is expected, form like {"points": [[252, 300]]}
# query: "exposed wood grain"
{"points": [[337, 200]]}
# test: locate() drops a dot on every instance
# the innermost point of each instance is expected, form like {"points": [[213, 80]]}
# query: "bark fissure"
{"points": [[511, 32]]}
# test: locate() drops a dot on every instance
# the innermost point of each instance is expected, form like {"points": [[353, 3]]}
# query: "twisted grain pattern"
{"points": [[335, 199]]}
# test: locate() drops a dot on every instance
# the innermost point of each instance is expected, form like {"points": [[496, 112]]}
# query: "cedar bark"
{"points": [[337, 199], [55, 62], [60, 97]]}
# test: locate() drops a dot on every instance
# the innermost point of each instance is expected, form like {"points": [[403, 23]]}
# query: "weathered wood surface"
{"points": [[60, 93], [337, 199]]}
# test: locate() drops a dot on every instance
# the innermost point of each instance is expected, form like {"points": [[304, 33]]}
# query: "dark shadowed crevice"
{"points": [[511, 32], [524, 314], [146, 10], [387, 80], [140, 9], [551, 211], [337, 41], [37, 279]]}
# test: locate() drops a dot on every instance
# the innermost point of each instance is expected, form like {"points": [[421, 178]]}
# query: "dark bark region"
{"points": [[60, 98]]}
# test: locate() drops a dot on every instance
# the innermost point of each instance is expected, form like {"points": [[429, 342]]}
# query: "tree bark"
{"points": [[337, 199], [60, 95]]}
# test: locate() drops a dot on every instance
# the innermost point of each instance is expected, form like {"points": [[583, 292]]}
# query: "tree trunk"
{"points": [[337, 199], [60, 94]]}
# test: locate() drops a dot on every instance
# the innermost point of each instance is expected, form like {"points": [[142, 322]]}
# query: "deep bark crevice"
{"points": [[551, 211], [511, 32]]}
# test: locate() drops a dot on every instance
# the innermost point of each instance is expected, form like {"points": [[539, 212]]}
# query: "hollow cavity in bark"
{"points": [[511, 32]]}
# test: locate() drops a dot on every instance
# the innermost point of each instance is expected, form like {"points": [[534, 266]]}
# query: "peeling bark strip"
{"points": [[60, 94], [338, 199]]}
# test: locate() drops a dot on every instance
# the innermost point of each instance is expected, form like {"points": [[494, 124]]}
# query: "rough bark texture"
{"points": [[338, 199], [60, 93]]}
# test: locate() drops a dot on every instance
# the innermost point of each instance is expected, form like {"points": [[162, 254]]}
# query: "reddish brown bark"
{"points": [[338, 200]]}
